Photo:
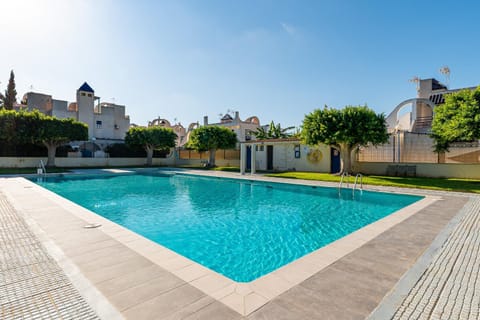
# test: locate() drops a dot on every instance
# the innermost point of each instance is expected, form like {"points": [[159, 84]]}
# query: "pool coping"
{"points": [[244, 298], [389, 305]]}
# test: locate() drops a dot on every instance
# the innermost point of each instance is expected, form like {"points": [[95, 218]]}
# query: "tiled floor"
{"points": [[32, 284], [450, 287], [145, 281]]}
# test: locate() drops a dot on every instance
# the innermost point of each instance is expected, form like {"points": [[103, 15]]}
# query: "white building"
{"points": [[107, 122], [244, 129], [416, 114], [287, 154], [182, 133]]}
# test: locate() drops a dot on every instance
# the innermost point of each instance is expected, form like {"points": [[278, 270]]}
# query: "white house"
{"points": [[182, 133], [243, 128], [416, 114], [107, 122], [287, 154]]}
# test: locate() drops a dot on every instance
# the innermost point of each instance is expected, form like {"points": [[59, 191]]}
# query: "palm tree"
{"points": [[273, 132], [261, 133]]}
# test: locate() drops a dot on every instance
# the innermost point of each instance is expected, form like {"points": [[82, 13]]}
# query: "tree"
{"points": [[457, 120], [345, 130], [211, 138], [54, 132], [37, 128], [151, 138], [10, 94], [275, 131], [7, 126], [2, 99]]}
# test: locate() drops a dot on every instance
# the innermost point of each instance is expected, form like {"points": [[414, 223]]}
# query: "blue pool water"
{"points": [[241, 229]]}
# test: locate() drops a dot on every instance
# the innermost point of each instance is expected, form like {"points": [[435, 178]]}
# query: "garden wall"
{"points": [[434, 170], [32, 162]]}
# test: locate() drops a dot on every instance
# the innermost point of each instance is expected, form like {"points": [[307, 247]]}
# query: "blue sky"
{"points": [[278, 60]]}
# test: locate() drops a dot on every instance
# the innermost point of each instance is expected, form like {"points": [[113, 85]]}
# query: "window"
{"points": [[99, 124], [89, 94], [297, 151], [259, 148], [82, 93]]}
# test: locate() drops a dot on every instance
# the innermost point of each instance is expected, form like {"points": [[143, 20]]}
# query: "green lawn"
{"points": [[463, 185]]}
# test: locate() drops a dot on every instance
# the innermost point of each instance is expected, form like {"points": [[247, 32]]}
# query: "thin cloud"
{"points": [[288, 28]]}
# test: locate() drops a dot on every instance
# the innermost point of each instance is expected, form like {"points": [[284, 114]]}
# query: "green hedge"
{"points": [[122, 150], [30, 150]]}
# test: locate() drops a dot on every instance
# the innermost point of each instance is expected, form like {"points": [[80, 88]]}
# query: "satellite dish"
{"points": [[445, 70], [416, 80]]}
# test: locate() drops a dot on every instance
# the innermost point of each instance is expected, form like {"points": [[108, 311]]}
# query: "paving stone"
{"points": [[448, 289], [32, 285]]}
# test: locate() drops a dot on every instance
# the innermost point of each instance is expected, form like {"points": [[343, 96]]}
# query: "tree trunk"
{"points": [[52, 149], [345, 159], [149, 155], [211, 157]]}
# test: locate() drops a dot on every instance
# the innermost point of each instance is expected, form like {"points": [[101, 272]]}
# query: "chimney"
{"points": [[237, 117], [205, 120]]}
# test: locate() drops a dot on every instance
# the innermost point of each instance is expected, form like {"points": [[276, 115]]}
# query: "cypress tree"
{"points": [[10, 93]]}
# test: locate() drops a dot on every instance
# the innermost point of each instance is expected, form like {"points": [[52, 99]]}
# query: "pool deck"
{"points": [[406, 265]]}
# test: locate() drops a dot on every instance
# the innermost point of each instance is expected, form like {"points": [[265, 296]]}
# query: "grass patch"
{"points": [[229, 169], [444, 184]]}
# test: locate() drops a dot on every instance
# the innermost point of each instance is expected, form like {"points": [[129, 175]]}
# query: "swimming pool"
{"points": [[239, 228]]}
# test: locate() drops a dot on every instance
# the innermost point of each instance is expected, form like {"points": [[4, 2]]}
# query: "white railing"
{"points": [[346, 176], [41, 168], [346, 179], [359, 175]]}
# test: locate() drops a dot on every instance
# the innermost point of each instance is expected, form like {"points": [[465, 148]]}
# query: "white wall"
{"points": [[59, 110], [433, 170], [85, 105], [12, 162], [284, 157]]}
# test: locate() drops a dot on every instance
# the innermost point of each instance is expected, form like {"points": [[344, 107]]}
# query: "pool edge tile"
{"points": [[223, 289]]}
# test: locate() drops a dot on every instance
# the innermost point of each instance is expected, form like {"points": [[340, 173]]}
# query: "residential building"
{"points": [[287, 154], [107, 122], [182, 133], [410, 123], [416, 114], [244, 129]]}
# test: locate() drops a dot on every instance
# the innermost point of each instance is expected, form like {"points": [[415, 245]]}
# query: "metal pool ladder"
{"points": [[345, 175], [358, 182], [359, 175], [41, 165]]}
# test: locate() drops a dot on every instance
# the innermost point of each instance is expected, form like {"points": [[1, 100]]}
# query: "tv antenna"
{"points": [[416, 80], [445, 70]]}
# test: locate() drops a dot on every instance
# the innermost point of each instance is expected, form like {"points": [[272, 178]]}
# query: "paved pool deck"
{"points": [[389, 268]]}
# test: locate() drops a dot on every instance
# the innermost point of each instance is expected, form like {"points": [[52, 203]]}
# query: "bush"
{"points": [[122, 150], [30, 150], [22, 150]]}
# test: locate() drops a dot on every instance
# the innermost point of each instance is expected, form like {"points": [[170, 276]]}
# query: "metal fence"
{"points": [[408, 147], [221, 154]]}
